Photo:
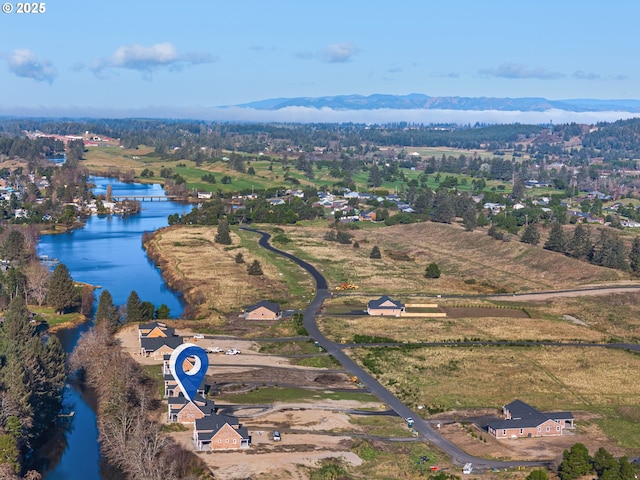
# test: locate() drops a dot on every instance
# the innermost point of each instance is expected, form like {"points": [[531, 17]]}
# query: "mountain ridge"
{"points": [[426, 102]]}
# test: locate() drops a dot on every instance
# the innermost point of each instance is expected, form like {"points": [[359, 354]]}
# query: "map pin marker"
{"points": [[190, 380]]}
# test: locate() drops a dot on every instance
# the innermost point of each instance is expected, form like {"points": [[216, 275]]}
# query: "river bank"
{"points": [[106, 250]]}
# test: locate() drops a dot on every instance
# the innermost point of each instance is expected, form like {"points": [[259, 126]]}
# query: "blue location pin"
{"points": [[189, 381]]}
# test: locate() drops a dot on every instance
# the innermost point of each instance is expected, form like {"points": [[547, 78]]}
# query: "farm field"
{"points": [[597, 380]]}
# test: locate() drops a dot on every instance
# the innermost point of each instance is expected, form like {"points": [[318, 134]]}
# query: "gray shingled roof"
{"points": [[377, 304], [153, 344], [274, 307]]}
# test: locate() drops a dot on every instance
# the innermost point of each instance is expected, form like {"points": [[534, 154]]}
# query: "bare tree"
{"points": [[38, 277]]}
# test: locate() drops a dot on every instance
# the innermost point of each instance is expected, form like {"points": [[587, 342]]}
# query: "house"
{"points": [[523, 420], [219, 432], [155, 330], [263, 310], [385, 306], [182, 410], [157, 347]]}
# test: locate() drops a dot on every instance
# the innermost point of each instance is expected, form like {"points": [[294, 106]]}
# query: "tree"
{"points": [[134, 308], [580, 245], [603, 460], [432, 271], [62, 293], [556, 241], [162, 312], [343, 237], [38, 277], [239, 258], [147, 310], [86, 300], [443, 209], [470, 219], [13, 247], [609, 251], [107, 312], [634, 256], [255, 268], [375, 252], [537, 475], [223, 236], [576, 462], [531, 234]]}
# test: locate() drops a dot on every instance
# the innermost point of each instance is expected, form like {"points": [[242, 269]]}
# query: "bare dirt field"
{"points": [[309, 430]]}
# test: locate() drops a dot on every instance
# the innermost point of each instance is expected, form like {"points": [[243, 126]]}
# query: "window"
{"points": [[539, 429], [235, 441], [504, 432], [219, 441], [226, 441], [548, 428], [521, 431], [557, 429]]}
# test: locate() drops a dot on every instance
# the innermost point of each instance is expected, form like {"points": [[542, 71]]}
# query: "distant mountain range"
{"points": [[420, 101]]}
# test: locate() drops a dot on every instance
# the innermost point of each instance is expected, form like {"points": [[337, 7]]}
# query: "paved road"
{"points": [[428, 433]]}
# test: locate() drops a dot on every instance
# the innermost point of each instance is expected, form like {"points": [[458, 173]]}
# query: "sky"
{"points": [[171, 58]]}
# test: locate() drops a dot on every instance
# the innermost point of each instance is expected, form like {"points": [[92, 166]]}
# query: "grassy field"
{"points": [[344, 329], [470, 262], [214, 284], [598, 380]]}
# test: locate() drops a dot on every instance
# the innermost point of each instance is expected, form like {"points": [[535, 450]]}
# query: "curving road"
{"points": [[309, 320]]}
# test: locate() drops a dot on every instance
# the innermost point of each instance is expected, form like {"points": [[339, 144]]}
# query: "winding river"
{"points": [[107, 252]]}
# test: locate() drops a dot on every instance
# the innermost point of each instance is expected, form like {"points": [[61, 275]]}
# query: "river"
{"points": [[107, 252]]}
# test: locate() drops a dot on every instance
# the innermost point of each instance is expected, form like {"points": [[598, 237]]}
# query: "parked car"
{"points": [[199, 336], [276, 436], [215, 350], [232, 351]]}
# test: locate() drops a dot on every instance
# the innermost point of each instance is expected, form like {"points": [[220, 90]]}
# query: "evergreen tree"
{"points": [[107, 312], [470, 219], [162, 312], [609, 251], [239, 258], [223, 236], [13, 247], [343, 237], [375, 252], [531, 234], [556, 241], [603, 460], [146, 311], [134, 308], [443, 209], [432, 271], [62, 293], [255, 268], [626, 471], [634, 256], [537, 475], [375, 177], [576, 462], [580, 244]]}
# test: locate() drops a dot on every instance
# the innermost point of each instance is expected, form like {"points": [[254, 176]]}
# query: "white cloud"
{"points": [[517, 71], [332, 53], [24, 63], [340, 52], [148, 59]]}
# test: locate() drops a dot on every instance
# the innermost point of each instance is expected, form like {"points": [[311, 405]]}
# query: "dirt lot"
{"points": [[308, 429]]}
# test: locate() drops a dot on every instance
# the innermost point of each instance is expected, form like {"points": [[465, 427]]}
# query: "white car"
{"points": [[214, 350], [232, 351], [199, 336]]}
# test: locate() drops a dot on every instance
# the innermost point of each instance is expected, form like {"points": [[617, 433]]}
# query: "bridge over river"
{"points": [[144, 198]]}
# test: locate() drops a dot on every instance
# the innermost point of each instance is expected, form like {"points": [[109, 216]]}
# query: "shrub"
{"points": [[375, 252], [255, 268], [432, 271]]}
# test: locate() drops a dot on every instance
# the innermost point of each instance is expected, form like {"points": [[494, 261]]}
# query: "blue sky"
{"points": [[149, 56]]}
